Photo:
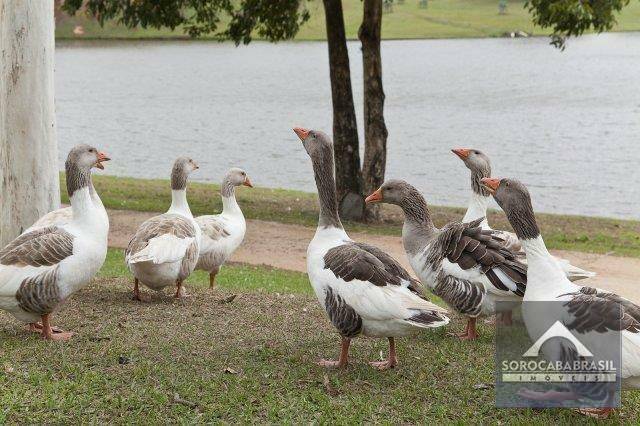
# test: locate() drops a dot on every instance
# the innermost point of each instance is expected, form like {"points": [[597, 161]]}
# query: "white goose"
{"points": [[362, 289], [480, 166], [466, 266], [222, 233], [43, 267], [164, 251], [590, 313]]}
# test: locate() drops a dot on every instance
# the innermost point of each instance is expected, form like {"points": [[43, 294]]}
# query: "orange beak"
{"points": [[463, 153], [247, 182], [491, 184], [101, 157], [375, 197], [301, 132]]}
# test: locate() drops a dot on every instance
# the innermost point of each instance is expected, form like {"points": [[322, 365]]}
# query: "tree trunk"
{"points": [[375, 131], [345, 129], [29, 184]]}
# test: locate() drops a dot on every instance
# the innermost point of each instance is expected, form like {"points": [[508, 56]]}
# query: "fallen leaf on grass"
{"points": [[483, 386], [227, 299], [8, 369], [330, 389], [230, 370]]}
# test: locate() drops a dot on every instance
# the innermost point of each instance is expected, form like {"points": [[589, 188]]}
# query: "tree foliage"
{"points": [[234, 20], [574, 17]]}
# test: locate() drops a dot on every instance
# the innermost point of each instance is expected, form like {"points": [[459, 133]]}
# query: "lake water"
{"points": [[565, 123]]}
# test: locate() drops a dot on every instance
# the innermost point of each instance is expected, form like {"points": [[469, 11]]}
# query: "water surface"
{"points": [[566, 123]]}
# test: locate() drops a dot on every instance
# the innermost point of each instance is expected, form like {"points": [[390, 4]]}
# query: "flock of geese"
{"points": [[476, 270]]}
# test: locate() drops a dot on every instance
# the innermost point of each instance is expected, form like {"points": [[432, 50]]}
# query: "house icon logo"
{"points": [[557, 330]]}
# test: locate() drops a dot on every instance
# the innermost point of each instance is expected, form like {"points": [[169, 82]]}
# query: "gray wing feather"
{"points": [[163, 224], [41, 247]]}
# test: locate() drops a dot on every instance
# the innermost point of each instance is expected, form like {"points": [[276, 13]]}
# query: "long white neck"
{"points": [[230, 205], [544, 274], [179, 203], [82, 205], [477, 208]]}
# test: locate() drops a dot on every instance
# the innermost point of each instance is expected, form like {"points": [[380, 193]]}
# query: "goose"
{"points": [[43, 267], [363, 290], [466, 266], [480, 166], [591, 313], [224, 232], [164, 250]]}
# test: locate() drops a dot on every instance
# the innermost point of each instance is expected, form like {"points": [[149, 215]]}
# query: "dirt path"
{"points": [[285, 246]]}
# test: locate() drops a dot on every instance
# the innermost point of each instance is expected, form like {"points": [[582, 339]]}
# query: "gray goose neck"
{"points": [[523, 220], [227, 189], [325, 182], [178, 177], [418, 228], [77, 178], [476, 175]]}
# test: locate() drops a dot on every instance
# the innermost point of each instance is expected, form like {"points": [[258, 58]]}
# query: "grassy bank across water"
{"points": [[566, 232], [406, 20]]}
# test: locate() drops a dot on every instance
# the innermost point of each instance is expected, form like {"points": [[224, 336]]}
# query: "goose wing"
{"points": [[376, 286], [480, 253], [30, 261], [165, 238]]}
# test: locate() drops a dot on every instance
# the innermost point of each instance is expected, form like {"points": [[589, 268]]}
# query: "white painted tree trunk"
{"points": [[29, 184]]}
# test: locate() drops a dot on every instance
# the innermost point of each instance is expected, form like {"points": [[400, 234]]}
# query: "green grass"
{"points": [[580, 233], [249, 361], [442, 19]]}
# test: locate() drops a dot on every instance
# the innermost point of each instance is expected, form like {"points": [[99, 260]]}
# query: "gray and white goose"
{"points": [[41, 268], [466, 266], [591, 313], [223, 233], [480, 167], [164, 250], [363, 290]]}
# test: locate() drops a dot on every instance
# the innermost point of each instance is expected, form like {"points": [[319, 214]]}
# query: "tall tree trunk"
{"points": [[375, 131], [345, 129], [29, 184]]}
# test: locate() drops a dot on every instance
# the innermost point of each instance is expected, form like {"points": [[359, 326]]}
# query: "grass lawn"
{"points": [[442, 19], [580, 233], [251, 360]]}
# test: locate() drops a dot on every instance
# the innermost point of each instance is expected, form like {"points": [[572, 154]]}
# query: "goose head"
{"points": [[513, 197], [238, 177], [317, 144], [182, 168], [393, 191], [85, 157], [479, 164]]}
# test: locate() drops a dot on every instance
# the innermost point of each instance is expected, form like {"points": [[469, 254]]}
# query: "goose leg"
{"points": [[180, 290], [472, 333], [464, 333], [48, 333], [212, 278], [388, 363], [344, 356], [136, 291]]}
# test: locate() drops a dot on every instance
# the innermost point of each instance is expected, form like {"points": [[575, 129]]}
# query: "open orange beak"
{"points": [[375, 197], [247, 182], [463, 153], [301, 132], [101, 158], [491, 184]]}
